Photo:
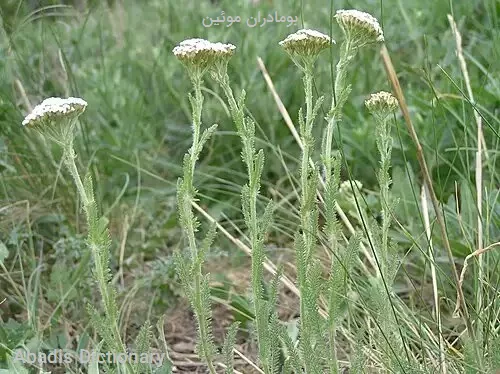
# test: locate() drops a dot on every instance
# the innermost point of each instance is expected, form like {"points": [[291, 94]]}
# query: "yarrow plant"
{"points": [[316, 349], [347, 305], [266, 320], [55, 119], [360, 29], [201, 56], [304, 48], [317, 338], [352, 314], [382, 105], [198, 56]]}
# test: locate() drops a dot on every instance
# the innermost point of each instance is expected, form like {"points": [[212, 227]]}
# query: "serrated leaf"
{"points": [[143, 346], [302, 124], [266, 220], [274, 289], [258, 166], [207, 242], [207, 133], [184, 271], [293, 355], [275, 355], [317, 107], [228, 347], [101, 326], [205, 347], [250, 133], [245, 205]]}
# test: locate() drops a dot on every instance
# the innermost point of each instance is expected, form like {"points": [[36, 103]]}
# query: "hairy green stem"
{"points": [[247, 138], [341, 93], [332, 333], [384, 144], [97, 248], [389, 318], [69, 161], [305, 167], [383, 139], [186, 211], [304, 253]]}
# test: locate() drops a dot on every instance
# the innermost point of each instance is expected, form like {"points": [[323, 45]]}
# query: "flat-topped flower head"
{"points": [[55, 108], [201, 53], [306, 43], [381, 104], [360, 28], [55, 117]]}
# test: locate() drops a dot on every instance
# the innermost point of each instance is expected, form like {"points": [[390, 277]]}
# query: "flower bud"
{"points": [[381, 104]]}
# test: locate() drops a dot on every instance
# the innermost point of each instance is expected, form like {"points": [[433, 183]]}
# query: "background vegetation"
{"points": [[117, 56]]}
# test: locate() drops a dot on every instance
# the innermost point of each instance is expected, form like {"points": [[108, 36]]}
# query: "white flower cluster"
{"points": [[202, 52], [381, 103], [362, 28], [55, 108], [306, 42]]}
